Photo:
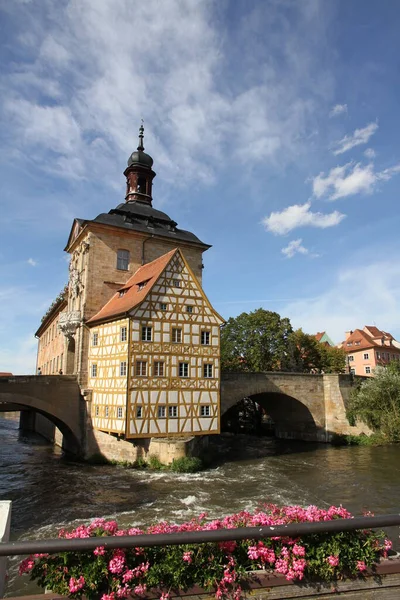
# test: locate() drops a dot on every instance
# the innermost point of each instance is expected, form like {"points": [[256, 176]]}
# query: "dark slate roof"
{"points": [[139, 216]]}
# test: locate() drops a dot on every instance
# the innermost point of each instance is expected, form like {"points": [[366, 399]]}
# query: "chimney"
{"points": [[348, 334]]}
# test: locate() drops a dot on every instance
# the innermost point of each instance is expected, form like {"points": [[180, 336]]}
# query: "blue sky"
{"points": [[274, 127]]}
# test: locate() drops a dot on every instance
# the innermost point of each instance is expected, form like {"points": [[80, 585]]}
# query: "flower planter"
{"points": [[382, 583]]}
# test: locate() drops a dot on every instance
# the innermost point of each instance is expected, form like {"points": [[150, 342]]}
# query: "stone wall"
{"points": [[165, 450], [337, 390]]}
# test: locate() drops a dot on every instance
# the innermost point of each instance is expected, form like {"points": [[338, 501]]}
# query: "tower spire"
{"points": [[141, 136], [139, 174]]}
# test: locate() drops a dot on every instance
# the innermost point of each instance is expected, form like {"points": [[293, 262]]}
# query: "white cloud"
{"points": [[370, 153], [360, 136], [359, 295], [294, 247], [338, 109], [299, 215], [31, 262], [350, 179], [99, 80]]}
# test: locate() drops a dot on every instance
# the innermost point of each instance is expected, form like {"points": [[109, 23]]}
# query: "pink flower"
{"points": [[164, 596], [117, 563], [140, 590], [110, 596], [123, 591], [99, 551], [361, 566], [387, 544], [187, 557], [285, 552], [281, 566], [127, 576], [76, 584], [333, 560], [299, 550], [252, 552], [26, 565]]}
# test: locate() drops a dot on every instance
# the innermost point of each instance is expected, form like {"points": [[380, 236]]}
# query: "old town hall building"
{"points": [[134, 324]]}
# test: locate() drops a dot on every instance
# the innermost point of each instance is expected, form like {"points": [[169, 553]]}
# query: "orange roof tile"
{"points": [[358, 340], [318, 336], [5, 374], [375, 332], [119, 304]]}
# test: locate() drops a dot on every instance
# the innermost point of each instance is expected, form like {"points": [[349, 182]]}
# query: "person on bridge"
{"points": [[60, 372], [39, 371]]}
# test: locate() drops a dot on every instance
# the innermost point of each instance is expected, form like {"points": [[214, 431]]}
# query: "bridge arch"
{"points": [[70, 441], [57, 398], [295, 402]]}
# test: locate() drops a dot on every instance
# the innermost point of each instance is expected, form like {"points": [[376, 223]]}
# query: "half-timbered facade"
{"points": [[154, 364]]}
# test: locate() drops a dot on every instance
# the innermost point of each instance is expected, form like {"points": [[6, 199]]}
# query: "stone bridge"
{"points": [[302, 406], [56, 397]]}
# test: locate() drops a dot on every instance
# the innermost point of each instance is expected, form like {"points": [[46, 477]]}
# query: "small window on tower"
{"points": [[141, 186], [123, 260]]}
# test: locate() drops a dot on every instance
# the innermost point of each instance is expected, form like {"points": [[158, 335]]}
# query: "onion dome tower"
{"points": [[139, 174]]}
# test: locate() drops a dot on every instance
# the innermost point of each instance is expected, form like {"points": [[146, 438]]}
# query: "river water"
{"points": [[49, 492]]}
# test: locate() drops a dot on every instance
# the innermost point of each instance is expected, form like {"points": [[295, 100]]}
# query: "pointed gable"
{"points": [[134, 291], [76, 229]]}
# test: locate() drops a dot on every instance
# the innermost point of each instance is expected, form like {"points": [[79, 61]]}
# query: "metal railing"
{"points": [[196, 537]]}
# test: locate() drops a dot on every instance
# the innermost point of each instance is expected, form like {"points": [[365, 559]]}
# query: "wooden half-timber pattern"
{"points": [[107, 351], [171, 404]]}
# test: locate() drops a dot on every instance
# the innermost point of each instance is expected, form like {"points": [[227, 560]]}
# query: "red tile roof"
{"points": [[5, 374], [359, 339], [377, 333], [318, 336], [119, 304]]}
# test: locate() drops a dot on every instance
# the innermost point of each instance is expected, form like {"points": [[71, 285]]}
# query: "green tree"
{"points": [[305, 352], [307, 355], [333, 360], [376, 402], [255, 341]]}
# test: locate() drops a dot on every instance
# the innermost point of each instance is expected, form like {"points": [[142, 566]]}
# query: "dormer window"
{"points": [[123, 260], [122, 293], [142, 284]]}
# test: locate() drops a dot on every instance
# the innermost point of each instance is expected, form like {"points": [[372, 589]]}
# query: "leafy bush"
{"points": [[376, 402], [222, 566], [155, 464], [186, 464], [376, 439]]}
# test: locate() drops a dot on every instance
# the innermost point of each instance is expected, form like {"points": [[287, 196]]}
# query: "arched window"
{"points": [[123, 260], [141, 185]]}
